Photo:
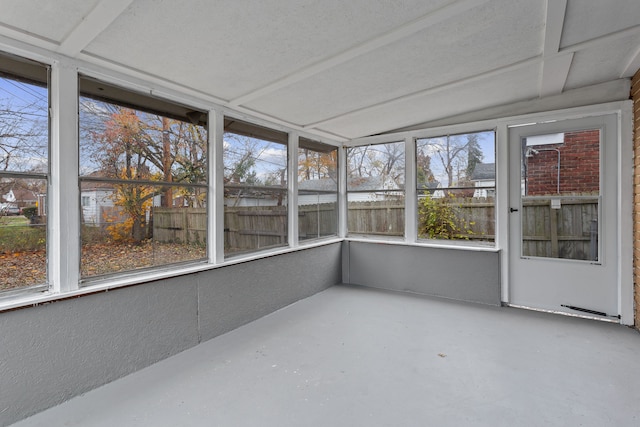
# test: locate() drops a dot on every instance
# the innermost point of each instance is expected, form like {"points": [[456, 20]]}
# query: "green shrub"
{"points": [[30, 211], [438, 219]]}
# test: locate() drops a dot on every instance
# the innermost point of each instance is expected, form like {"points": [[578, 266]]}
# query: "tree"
{"points": [[23, 136], [131, 145], [383, 160], [317, 165], [457, 154], [425, 177], [474, 154]]}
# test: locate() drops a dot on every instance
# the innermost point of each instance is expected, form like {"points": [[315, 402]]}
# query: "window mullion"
{"points": [[410, 195], [216, 187], [342, 192], [292, 188], [63, 215]]}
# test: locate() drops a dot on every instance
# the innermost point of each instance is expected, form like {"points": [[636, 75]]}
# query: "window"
{"points": [[561, 195], [255, 187], [317, 190], [375, 189], [24, 171], [456, 184], [143, 181]]}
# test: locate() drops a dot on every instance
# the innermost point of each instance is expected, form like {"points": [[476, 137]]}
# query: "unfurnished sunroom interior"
{"points": [[240, 192]]}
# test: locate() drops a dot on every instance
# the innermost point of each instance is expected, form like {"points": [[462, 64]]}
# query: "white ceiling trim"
{"points": [[556, 10], [432, 18], [633, 65], [555, 71], [102, 15], [631, 31], [555, 68], [531, 62], [29, 38]]}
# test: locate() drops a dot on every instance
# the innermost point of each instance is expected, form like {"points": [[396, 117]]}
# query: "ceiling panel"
{"points": [[48, 19], [602, 61], [517, 85], [453, 50], [589, 19], [228, 48]]}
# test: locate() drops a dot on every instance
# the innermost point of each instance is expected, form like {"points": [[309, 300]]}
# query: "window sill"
{"points": [[423, 244]]}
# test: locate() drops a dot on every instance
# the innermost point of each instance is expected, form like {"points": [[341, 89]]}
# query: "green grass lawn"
{"points": [[18, 235]]}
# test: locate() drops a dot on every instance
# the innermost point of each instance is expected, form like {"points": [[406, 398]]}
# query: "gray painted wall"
{"points": [[451, 273], [53, 352]]}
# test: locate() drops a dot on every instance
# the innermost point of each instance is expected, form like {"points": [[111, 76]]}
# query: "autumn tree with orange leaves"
{"points": [[143, 152]]}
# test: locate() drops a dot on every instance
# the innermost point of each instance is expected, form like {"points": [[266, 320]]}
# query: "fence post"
{"points": [[553, 220]]}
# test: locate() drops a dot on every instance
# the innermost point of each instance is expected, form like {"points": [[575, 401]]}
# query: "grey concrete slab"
{"points": [[352, 356]]}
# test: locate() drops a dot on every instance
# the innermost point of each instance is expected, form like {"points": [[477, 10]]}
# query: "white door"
{"points": [[562, 220]]}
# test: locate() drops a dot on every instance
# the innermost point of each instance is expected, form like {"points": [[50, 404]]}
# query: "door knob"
{"points": [[513, 210]]}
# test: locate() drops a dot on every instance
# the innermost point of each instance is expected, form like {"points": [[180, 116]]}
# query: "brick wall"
{"points": [[635, 95], [579, 165]]}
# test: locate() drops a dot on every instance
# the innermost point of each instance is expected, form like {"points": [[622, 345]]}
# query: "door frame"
{"points": [[624, 197]]}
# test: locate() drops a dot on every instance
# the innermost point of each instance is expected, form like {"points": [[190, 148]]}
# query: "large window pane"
{"points": [[255, 187], [375, 189], [561, 195], [317, 190], [456, 185], [125, 227], [24, 152], [143, 185]]}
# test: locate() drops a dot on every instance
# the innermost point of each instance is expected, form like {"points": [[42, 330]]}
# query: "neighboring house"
{"points": [[317, 191], [372, 188], [484, 179], [18, 198], [96, 202], [242, 195]]}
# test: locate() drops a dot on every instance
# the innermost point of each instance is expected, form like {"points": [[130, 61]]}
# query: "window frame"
{"points": [[260, 133], [108, 93], [418, 191], [320, 148], [402, 192], [32, 71]]}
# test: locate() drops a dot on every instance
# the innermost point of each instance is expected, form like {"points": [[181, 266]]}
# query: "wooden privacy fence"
{"points": [[255, 227], [568, 232], [180, 225]]}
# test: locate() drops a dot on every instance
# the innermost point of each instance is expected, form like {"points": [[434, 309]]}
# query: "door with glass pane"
{"points": [[563, 219]]}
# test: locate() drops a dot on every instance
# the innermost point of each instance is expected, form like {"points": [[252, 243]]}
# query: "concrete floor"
{"points": [[353, 356]]}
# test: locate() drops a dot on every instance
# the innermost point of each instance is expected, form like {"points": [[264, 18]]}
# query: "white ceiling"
{"points": [[345, 68]]}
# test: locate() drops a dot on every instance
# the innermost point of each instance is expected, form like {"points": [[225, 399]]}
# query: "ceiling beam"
{"points": [[531, 62], [555, 68], [587, 44], [428, 20], [556, 10], [633, 64], [102, 15]]}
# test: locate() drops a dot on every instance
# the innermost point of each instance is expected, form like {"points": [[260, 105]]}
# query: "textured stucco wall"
{"points": [[53, 352], [450, 273]]}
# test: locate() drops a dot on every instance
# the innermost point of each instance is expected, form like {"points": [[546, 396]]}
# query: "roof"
{"points": [[484, 171]]}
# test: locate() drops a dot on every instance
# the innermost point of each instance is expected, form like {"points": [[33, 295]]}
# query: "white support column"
{"points": [[625, 214], [292, 189], [64, 206], [502, 205], [215, 197], [410, 191], [342, 192]]}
